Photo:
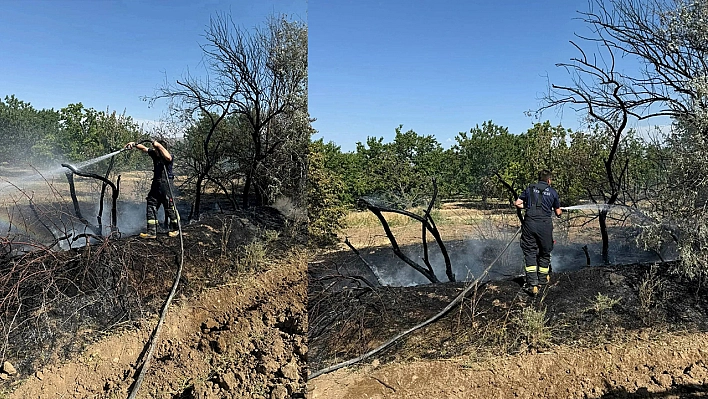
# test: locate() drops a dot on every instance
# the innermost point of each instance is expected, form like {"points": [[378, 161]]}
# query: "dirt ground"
{"points": [[229, 342], [663, 366], [619, 331]]}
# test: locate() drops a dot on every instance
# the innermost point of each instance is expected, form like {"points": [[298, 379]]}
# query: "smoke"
{"points": [[472, 256], [38, 208]]}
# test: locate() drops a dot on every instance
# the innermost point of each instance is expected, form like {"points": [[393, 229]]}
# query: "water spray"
{"points": [[609, 207], [98, 159], [102, 157]]}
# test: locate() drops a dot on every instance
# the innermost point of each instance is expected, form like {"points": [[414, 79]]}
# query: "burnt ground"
{"points": [[237, 327], [599, 326]]}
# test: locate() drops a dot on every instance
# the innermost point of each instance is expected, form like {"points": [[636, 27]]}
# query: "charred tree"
{"points": [[665, 40], [114, 194], [258, 78], [104, 184], [369, 265], [601, 92], [427, 224], [77, 208]]}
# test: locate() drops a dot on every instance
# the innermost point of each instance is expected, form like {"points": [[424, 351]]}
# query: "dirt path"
{"points": [[667, 366], [246, 339]]}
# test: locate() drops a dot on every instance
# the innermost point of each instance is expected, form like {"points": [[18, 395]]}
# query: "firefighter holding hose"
{"points": [[159, 194], [541, 201]]}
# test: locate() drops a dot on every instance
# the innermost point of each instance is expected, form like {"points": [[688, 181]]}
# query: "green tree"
{"points": [[485, 152], [498, 164], [400, 171], [325, 207], [86, 133], [23, 130]]}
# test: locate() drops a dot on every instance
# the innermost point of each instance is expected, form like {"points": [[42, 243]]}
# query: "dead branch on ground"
{"points": [[369, 265]]}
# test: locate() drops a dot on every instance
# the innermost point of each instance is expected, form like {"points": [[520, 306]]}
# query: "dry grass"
{"points": [[458, 221], [650, 289], [453, 222]]}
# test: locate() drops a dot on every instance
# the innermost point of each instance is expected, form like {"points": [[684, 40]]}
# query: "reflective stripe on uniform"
{"points": [[544, 270], [530, 269], [152, 221]]}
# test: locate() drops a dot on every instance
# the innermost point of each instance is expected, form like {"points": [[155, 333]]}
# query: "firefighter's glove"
{"points": [[129, 146]]}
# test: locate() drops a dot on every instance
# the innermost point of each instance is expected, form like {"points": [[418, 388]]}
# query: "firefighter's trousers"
{"points": [[537, 243], [159, 195]]}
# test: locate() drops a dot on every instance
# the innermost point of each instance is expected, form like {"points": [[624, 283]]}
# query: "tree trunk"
{"points": [[194, 214], [246, 189], [251, 181], [261, 196], [99, 217], [605, 237], [428, 225]]}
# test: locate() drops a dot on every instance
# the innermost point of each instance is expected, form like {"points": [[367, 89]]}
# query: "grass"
{"points": [[531, 324], [253, 257], [602, 303], [650, 288], [368, 219], [270, 235]]}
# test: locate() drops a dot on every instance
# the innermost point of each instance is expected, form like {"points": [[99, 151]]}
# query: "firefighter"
{"points": [[159, 194], [540, 201]]}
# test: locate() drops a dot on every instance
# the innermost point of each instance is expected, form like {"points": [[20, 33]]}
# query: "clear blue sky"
{"points": [[110, 53], [437, 67]]}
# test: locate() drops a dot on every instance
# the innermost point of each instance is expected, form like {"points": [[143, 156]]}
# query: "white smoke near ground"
{"points": [[38, 207], [471, 256]]}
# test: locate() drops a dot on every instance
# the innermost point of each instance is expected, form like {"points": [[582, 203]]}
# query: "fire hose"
{"points": [[440, 314], [163, 313]]}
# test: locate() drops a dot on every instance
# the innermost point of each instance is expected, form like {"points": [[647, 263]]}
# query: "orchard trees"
{"points": [[22, 129], [484, 154], [74, 133], [400, 171]]}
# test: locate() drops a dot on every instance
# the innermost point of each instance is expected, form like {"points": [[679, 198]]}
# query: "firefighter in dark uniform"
{"points": [[159, 194], [540, 201]]}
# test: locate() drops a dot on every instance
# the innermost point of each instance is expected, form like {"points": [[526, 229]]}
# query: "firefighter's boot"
{"points": [[151, 214], [544, 275]]}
